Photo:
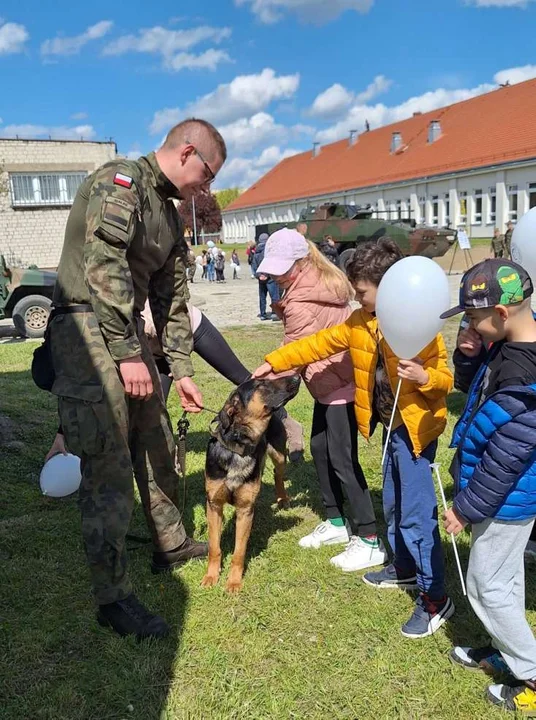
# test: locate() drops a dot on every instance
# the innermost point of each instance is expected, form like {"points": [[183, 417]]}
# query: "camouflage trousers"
{"points": [[115, 437]]}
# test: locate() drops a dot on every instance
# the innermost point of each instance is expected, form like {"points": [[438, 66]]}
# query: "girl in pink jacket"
{"points": [[316, 295]]}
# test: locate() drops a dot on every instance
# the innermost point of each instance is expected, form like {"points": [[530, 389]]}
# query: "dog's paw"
{"points": [[283, 503], [210, 580], [233, 586]]}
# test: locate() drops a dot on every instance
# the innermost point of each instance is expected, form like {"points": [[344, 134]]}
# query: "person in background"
{"points": [[508, 239], [191, 264], [235, 264], [219, 266], [211, 271], [328, 248], [409, 498], [250, 252], [266, 284], [494, 472], [497, 244], [317, 295], [204, 264], [301, 227]]}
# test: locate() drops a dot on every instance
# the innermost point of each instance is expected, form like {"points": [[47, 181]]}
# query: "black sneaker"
{"points": [[486, 659], [189, 550], [130, 617], [390, 577]]}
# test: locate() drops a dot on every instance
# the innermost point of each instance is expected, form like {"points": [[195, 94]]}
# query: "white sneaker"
{"points": [[325, 534], [358, 555]]}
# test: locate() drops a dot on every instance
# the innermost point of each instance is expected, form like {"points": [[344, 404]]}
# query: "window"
{"points": [[44, 189], [463, 207], [447, 209], [398, 207], [532, 195], [435, 209], [512, 202], [407, 213], [422, 209], [492, 205], [477, 214]]}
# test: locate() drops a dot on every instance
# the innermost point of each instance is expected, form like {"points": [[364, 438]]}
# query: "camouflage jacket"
{"points": [[123, 243], [508, 241]]}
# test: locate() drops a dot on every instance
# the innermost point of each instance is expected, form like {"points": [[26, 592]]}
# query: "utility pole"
{"points": [[195, 223]]}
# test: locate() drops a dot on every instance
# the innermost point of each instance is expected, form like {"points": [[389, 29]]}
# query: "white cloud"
{"points": [[500, 3], [12, 38], [28, 130], [246, 134], [332, 101], [336, 99], [242, 97], [173, 46], [515, 75], [79, 116], [243, 172], [72, 45], [309, 11], [208, 60]]}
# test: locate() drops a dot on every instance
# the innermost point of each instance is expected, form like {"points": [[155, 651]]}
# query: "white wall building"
{"points": [[472, 165], [38, 182]]}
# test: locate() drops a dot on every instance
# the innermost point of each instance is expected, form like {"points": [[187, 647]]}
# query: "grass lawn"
{"points": [[301, 641]]}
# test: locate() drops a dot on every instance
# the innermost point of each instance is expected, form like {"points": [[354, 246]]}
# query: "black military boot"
{"points": [[130, 617], [189, 550]]}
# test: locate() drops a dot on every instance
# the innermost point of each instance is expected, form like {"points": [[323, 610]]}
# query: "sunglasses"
{"points": [[208, 170]]}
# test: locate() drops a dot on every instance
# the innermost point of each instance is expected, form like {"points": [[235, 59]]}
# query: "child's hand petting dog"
{"points": [[262, 371], [413, 370]]}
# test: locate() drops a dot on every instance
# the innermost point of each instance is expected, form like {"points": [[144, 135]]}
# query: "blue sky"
{"points": [[273, 75]]}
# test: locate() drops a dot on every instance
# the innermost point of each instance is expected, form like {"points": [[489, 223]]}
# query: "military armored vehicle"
{"points": [[26, 298], [350, 225]]}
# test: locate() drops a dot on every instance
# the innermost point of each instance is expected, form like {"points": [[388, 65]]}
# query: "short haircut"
{"points": [[372, 259], [199, 132]]}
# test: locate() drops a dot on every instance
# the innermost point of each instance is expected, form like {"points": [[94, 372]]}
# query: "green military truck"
{"points": [[350, 225], [26, 298]]}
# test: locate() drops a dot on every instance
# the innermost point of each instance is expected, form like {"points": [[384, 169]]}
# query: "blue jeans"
{"points": [[211, 272], [410, 509], [265, 287]]}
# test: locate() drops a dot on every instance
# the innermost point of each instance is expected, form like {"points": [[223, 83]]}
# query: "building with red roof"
{"points": [[471, 164]]}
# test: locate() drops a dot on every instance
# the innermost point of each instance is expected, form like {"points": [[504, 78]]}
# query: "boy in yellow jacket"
{"points": [[409, 499]]}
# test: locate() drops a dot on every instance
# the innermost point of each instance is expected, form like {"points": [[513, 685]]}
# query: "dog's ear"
{"points": [[228, 412]]}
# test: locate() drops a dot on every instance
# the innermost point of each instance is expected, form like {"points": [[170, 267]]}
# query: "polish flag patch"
{"points": [[123, 180]]}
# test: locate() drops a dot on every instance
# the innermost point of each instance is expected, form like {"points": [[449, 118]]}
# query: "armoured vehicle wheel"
{"points": [[345, 257], [30, 315]]}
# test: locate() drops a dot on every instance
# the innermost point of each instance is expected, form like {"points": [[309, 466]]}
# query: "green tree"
{"points": [[226, 197]]}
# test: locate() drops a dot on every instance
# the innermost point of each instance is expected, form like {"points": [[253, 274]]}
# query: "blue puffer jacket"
{"points": [[497, 454]]}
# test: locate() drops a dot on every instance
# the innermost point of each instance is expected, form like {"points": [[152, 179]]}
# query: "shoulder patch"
{"points": [[123, 180]]}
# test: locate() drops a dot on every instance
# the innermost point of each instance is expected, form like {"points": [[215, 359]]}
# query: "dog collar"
{"points": [[237, 448]]}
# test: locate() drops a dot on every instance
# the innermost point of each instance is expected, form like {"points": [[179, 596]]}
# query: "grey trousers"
{"points": [[496, 590]]}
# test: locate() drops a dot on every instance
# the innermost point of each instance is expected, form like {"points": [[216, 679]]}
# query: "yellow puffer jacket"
{"points": [[423, 408]]}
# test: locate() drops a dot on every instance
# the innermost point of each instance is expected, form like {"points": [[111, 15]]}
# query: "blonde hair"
{"points": [[330, 275]]}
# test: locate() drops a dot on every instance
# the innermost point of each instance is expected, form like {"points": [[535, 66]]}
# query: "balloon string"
{"points": [[391, 422]]}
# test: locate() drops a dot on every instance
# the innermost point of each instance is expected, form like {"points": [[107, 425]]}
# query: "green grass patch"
{"points": [[302, 640]]}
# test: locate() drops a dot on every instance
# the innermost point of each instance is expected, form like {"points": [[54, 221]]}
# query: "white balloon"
{"points": [[524, 243], [60, 476], [411, 297]]}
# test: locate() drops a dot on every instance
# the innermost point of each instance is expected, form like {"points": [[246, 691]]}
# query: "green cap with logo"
{"points": [[492, 282]]}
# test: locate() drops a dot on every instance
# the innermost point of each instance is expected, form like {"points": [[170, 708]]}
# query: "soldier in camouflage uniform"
{"points": [[508, 239], [123, 243], [497, 244]]}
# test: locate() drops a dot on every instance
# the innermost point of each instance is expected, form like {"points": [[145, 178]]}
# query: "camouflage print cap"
{"points": [[490, 283]]}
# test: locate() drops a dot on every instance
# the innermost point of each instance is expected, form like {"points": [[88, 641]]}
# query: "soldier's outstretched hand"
{"points": [[190, 395], [136, 378]]}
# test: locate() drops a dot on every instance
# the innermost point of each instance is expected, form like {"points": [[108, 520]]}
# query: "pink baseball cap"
{"points": [[282, 250]]}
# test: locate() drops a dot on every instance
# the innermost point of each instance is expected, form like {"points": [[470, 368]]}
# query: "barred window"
{"points": [[44, 189]]}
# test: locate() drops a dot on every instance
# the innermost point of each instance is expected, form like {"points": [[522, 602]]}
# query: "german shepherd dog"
{"points": [[245, 431]]}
